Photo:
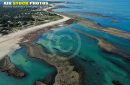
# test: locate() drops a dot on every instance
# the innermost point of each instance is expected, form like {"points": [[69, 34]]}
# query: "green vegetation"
{"points": [[13, 19]]}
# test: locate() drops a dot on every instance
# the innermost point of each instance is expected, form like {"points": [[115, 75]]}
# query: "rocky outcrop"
{"points": [[116, 82], [106, 46], [66, 75], [50, 79], [10, 69], [70, 21], [96, 26]]}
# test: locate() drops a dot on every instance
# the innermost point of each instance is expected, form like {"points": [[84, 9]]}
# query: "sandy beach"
{"points": [[10, 41]]}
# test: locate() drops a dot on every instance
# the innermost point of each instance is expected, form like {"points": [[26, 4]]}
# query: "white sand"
{"points": [[9, 42], [8, 46]]}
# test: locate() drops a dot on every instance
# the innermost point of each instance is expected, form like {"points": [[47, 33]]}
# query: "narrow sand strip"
{"points": [[11, 40]]}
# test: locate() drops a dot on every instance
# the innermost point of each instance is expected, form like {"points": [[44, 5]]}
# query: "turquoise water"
{"points": [[115, 10], [34, 68], [99, 68], [108, 37]]}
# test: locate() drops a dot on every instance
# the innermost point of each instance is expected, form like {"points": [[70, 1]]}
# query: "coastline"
{"points": [[18, 38], [61, 64], [12, 39], [15, 39]]}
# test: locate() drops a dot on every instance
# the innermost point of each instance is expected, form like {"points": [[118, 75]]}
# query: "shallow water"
{"points": [[34, 68], [100, 68], [114, 10]]}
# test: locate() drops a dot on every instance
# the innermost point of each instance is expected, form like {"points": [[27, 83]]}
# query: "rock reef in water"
{"points": [[49, 79], [66, 75], [109, 30], [115, 82], [106, 46], [96, 26], [10, 69]]}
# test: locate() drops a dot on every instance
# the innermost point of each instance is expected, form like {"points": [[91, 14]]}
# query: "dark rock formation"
{"points": [[50, 79], [107, 46], [8, 67], [70, 21], [116, 82], [65, 71]]}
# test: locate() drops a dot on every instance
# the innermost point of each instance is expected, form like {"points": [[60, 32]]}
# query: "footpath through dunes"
{"points": [[106, 46], [66, 74], [96, 26]]}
